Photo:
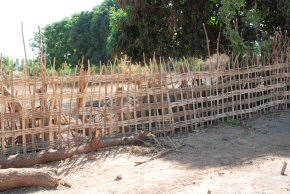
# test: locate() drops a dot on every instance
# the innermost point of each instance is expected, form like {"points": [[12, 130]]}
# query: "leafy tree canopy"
{"points": [[81, 36], [169, 28]]}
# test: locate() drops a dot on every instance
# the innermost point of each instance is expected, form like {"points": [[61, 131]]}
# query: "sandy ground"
{"points": [[223, 159]]}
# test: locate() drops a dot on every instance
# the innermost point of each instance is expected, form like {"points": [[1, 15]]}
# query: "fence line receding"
{"points": [[60, 111]]}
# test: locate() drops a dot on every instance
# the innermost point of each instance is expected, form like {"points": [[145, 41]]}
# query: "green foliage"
{"points": [[233, 121], [229, 11], [81, 36], [7, 64], [248, 24], [100, 30], [275, 15], [164, 28], [57, 41], [192, 63], [228, 14], [252, 18], [118, 37], [34, 43], [33, 67]]}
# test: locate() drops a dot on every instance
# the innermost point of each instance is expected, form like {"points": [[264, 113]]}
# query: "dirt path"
{"points": [[223, 159]]}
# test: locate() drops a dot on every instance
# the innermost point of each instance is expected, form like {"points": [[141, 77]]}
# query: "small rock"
{"points": [[119, 177]]}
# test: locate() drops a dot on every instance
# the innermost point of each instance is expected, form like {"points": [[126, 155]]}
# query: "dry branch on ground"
{"points": [[27, 160], [25, 177]]}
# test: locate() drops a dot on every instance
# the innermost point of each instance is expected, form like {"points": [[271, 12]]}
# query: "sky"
{"points": [[33, 13]]}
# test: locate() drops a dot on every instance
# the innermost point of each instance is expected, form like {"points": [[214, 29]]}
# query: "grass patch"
{"points": [[235, 122]]}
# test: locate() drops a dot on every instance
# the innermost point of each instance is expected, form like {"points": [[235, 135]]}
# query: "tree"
{"points": [[249, 24], [57, 41], [169, 28], [122, 38], [100, 30], [34, 43], [80, 37], [165, 28], [83, 35], [275, 14], [7, 64]]}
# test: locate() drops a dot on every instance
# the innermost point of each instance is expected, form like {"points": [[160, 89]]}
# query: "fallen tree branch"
{"points": [[158, 155], [26, 160], [25, 177]]}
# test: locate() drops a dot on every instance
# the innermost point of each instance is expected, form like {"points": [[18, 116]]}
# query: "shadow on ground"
{"points": [[227, 144], [223, 146]]}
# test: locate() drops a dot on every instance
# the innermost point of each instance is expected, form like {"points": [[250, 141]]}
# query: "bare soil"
{"points": [[246, 158]]}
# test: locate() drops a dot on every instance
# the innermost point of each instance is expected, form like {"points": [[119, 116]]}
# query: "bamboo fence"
{"points": [[59, 111]]}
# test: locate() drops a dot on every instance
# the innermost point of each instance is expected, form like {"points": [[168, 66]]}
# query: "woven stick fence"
{"points": [[60, 111]]}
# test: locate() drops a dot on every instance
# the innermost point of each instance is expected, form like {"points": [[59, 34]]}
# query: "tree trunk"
{"points": [[25, 177], [26, 160]]}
